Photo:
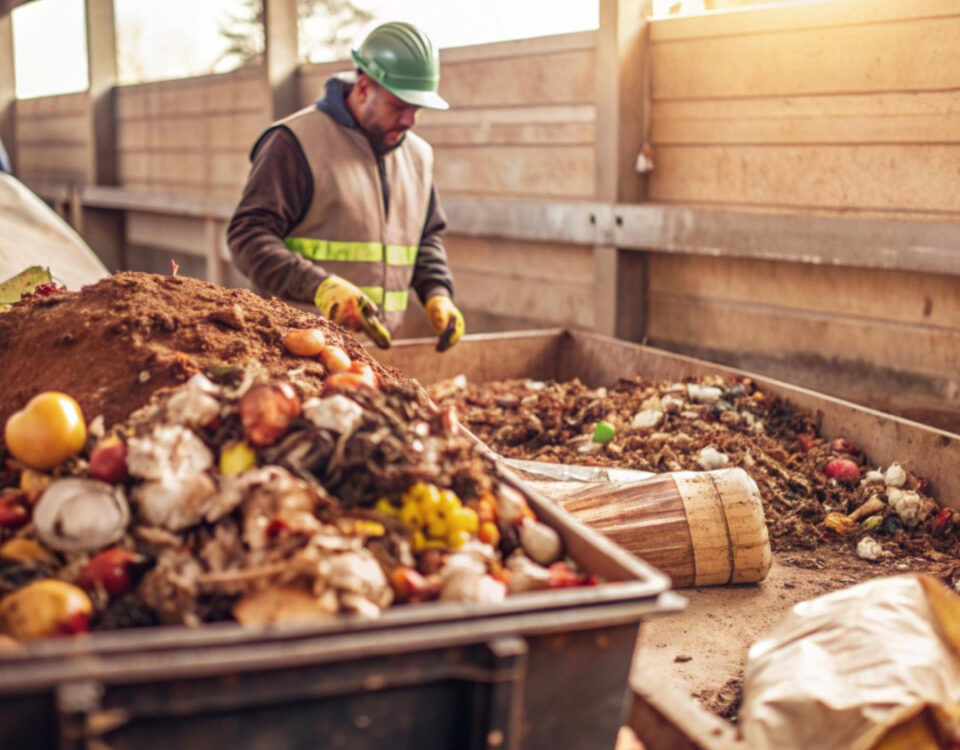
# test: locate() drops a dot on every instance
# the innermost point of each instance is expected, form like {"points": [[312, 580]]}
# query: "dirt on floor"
{"points": [[113, 344]]}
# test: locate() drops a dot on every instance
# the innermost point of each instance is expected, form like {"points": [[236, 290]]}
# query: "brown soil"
{"points": [[114, 344]]}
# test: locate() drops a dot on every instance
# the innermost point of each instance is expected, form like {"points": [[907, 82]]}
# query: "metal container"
{"points": [[559, 354], [663, 718], [542, 670]]}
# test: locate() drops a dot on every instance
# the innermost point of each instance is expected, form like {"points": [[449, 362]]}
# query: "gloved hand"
{"points": [[342, 302], [446, 320]]}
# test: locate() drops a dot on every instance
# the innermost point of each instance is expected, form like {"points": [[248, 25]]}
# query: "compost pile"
{"points": [[815, 491], [271, 473], [113, 344]]}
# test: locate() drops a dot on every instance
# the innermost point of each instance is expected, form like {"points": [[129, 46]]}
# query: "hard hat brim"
{"points": [[425, 99]]}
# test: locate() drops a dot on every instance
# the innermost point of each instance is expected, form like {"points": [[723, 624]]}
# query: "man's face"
{"points": [[384, 118]]}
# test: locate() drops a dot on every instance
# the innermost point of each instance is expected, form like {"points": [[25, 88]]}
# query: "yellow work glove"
{"points": [[446, 320], [343, 303]]}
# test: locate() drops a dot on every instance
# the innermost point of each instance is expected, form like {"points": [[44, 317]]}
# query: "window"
{"points": [[50, 48], [330, 28]]}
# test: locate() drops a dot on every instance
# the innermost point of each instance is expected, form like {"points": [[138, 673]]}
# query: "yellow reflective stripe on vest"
{"points": [[373, 292], [360, 252], [393, 301], [401, 255]]}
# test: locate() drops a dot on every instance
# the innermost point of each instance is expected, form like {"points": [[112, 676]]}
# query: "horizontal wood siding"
{"points": [[521, 122], [530, 283], [847, 106], [191, 135], [54, 140]]}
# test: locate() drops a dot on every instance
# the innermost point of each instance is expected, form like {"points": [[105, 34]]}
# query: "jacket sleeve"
{"points": [[278, 191], [431, 275]]}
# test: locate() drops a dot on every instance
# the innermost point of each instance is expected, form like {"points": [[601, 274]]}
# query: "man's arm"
{"points": [[278, 191], [431, 275]]}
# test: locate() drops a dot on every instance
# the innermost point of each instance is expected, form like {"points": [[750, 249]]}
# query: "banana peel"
{"points": [[364, 315]]}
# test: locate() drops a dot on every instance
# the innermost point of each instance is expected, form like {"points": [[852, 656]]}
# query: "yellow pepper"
{"points": [[236, 459]]}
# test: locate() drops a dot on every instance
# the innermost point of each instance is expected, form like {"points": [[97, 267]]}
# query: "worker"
{"points": [[339, 211]]}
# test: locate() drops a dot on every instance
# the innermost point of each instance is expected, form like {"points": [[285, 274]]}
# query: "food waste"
{"points": [[816, 491], [304, 484]]}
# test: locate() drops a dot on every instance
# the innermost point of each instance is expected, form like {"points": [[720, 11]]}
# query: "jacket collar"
{"points": [[334, 104]]}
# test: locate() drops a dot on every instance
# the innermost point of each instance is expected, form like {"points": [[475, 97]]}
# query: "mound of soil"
{"points": [[114, 344]]}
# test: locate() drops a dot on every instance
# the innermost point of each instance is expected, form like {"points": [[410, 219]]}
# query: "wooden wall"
{"points": [[53, 139], [192, 135], [846, 108], [521, 125]]}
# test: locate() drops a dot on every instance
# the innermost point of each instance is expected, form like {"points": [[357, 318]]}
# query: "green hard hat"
{"points": [[401, 58]]}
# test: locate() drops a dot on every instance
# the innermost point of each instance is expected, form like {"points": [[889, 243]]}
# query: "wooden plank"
{"points": [[802, 129], [579, 223], [8, 90], [474, 116], [566, 134], [157, 202], [228, 169], [797, 16], [920, 55], [131, 102], [69, 160], [906, 297], [535, 261], [64, 131], [560, 171], [928, 247], [622, 99], [557, 78], [776, 331], [566, 303], [281, 57], [872, 105], [906, 177], [102, 66]]}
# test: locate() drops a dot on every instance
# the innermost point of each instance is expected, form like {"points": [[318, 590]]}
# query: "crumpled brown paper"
{"points": [[872, 667]]}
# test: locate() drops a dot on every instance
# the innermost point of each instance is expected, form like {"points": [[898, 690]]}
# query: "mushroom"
{"points": [[81, 515]]}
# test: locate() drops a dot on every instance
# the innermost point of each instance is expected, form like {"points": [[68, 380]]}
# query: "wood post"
{"points": [[281, 55], [103, 230], [622, 125], [8, 91]]}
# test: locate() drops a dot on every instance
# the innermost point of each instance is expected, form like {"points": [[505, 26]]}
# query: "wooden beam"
{"points": [[8, 90], [102, 61], [622, 98], [927, 247], [281, 55]]}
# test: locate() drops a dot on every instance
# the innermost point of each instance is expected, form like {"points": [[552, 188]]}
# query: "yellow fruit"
{"points": [[411, 515], [449, 503], [43, 609], [466, 519], [387, 508], [489, 533], [236, 459], [456, 539], [419, 541], [429, 499], [305, 342], [33, 483], [363, 527], [437, 527], [47, 431], [25, 551]]}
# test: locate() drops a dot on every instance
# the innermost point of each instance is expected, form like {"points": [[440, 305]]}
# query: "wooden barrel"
{"points": [[701, 528]]}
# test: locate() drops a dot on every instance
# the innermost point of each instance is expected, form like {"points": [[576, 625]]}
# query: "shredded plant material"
{"points": [[815, 491]]}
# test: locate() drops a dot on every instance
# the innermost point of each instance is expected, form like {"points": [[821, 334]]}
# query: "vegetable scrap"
{"points": [[815, 491]]}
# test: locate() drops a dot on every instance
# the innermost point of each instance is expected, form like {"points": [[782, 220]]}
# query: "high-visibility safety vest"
{"points": [[345, 229]]}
